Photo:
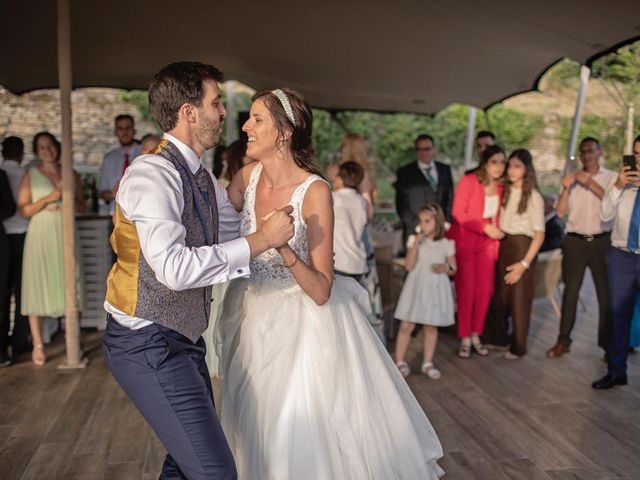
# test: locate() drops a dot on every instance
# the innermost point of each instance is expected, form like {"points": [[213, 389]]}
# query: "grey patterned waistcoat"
{"points": [[185, 311]]}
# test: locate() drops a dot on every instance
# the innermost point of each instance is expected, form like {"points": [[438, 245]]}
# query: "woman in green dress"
{"points": [[39, 200]]}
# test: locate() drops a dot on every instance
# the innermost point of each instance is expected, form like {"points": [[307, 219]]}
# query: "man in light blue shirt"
{"points": [[118, 160]]}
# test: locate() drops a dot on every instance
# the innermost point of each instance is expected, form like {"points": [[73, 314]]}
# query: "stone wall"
{"points": [[94, 110], [545, 149]]}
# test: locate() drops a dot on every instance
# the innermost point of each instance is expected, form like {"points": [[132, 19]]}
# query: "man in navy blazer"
{"points": [[421, 182]]}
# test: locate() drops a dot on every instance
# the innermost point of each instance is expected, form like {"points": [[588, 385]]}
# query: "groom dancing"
{"points": [[175, 235]]}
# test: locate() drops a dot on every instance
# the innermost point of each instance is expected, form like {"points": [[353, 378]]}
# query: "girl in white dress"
{"points": [[309, 392], [426, 296]]}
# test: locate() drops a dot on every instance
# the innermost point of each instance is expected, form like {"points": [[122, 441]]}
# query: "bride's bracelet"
{"points": [[295, 259]]}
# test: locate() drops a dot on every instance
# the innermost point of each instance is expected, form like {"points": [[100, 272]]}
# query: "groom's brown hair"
{"points": [[176, 84]]}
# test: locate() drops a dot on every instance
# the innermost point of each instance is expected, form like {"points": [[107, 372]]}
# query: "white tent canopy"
{"points": [[407, 55]]}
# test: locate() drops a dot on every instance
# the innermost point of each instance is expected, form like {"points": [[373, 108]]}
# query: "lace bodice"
{"points": [[268, 267]]}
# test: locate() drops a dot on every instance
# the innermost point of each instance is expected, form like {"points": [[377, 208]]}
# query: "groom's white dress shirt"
{"points": [[151, 197]]}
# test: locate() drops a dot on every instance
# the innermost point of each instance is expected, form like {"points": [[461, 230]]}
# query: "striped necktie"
{"points": [[430, 179]]}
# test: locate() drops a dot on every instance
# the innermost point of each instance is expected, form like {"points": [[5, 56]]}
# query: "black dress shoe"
{"points": [[608, 382]]}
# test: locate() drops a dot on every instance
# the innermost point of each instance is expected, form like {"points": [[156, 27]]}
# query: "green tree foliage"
{"points": [[565, 73], [610, 134], [513, 128], [622, 67], [619, 73], [140, 99], [390, 137]]}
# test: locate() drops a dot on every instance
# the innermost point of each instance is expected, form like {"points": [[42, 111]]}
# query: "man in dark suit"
{"points": [[7, 209], [421, 182]]}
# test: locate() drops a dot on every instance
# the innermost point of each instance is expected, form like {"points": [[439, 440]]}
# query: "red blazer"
{"points": [[467, 212]]}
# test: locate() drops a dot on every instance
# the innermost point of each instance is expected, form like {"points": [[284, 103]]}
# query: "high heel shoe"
{"points": [[37, 355]]}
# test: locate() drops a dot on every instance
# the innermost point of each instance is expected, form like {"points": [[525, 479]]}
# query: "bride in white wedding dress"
{"points": [[309, 392]]}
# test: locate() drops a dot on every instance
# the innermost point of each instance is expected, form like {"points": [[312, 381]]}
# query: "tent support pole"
{"points": [[585, 73], [471, 128], [72, 329], [628, 148]]}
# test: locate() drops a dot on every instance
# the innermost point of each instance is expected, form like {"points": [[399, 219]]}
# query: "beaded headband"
{"points": [[284, 100]]}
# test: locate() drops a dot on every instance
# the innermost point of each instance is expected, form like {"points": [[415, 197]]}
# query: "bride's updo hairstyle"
{"points": [[290, 111]]}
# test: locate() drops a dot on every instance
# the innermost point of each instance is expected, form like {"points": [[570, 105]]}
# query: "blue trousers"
{"points": [[634, 339], [623, 272], [166, 377]]}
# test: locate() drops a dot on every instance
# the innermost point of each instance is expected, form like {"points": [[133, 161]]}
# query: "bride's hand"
{"points": [[278, 227]]}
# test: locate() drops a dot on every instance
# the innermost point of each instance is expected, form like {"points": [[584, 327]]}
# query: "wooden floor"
{"points": [[527, 420]]}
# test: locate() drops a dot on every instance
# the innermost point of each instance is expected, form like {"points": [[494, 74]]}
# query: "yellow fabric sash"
{"points": [[122, 283]]}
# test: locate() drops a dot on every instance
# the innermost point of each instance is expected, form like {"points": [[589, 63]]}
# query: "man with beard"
{"points": [[118, 160], [175, 235]]}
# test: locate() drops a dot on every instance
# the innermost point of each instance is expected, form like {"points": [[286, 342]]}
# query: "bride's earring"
{"points": [[279, 152]]}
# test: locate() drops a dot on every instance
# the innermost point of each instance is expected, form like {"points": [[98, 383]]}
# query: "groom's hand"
{"points": [[278, 226], [276, 230]]}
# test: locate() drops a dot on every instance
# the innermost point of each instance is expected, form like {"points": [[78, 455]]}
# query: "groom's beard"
{"points": [[208, 132]]}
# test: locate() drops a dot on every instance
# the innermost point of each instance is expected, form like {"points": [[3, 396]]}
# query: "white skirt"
{"points": [[426, 298], [310, 392]]}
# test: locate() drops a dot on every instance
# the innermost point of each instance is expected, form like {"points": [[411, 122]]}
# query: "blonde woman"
{"points": [[354, 149]]}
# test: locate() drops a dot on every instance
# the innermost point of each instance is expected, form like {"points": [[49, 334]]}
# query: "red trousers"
{"points": [[474, 282]]}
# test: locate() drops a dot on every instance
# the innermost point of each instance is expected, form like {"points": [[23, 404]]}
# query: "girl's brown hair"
{"points": [[438, 215], [529, 183]]}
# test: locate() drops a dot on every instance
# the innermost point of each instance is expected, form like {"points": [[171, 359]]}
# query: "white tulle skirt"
{"points": [[309, 392]]}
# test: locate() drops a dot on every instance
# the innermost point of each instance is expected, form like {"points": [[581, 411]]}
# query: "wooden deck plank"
{"points": [[533, 419], [49, 461], [89, 466], [15, 455]]}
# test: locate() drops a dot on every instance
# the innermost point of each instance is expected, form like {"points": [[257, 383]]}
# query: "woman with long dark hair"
{"points": [[522, 221], [476, 231], [309, 390]]}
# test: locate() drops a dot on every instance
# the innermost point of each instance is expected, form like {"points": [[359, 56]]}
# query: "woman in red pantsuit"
{"points": [[476, 231]]}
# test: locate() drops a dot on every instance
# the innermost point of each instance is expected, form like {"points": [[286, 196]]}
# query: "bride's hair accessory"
{"points": [[284, 100]]}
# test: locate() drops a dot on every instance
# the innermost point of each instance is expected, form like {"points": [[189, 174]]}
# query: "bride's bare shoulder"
{"points": [[317, 199]]}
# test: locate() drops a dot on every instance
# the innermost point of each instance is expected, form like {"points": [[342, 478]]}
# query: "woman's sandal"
{"points": [[404, 369], [37, 355], [464, 351], [480, 349], [430, 371]]}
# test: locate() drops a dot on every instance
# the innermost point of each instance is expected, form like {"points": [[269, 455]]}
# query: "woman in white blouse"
{"points": [[522, 221]]}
